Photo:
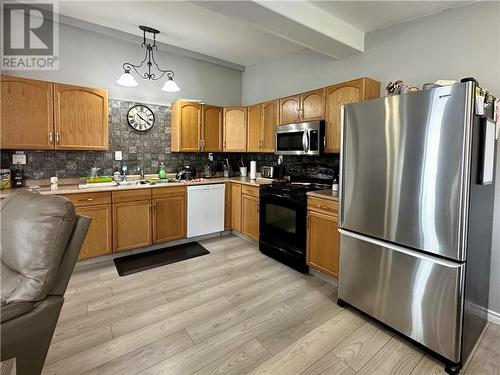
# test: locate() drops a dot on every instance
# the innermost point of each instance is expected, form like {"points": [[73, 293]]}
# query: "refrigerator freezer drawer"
{"points": [[416, 294]]}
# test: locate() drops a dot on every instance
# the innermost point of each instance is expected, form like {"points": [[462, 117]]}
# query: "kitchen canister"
{"points": [[253, 170]]}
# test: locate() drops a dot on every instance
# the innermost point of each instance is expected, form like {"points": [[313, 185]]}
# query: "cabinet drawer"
{"points": [[322, 205], [89, 199], [131, 195], [166, 192], [250, 190]]}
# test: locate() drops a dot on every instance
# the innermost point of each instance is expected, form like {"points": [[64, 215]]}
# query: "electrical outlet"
{"points": [[19, 159], [118, 155]]}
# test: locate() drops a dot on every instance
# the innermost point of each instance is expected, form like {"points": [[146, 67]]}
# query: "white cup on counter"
{"points": [[243, 171]]}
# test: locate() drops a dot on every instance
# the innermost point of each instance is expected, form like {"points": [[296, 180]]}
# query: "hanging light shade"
{"points": [[170, 85], [153, 72], [127, 80]]}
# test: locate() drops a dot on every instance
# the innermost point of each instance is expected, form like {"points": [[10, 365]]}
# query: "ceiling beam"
{"points": [[300, 22]]}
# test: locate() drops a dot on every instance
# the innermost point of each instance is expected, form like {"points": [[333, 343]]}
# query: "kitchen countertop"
{"points": [[325, 194], [73, 188]]}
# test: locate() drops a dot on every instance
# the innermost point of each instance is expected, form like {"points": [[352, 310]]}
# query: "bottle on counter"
{"points": [[335, 188], [18, 178], [162, 172], [54, 183]]}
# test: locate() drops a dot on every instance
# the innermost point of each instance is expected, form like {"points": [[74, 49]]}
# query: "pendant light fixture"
{"points": [[127, 80]]}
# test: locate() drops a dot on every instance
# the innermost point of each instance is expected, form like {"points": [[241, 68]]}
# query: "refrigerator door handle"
{"points": [[400, 249]]}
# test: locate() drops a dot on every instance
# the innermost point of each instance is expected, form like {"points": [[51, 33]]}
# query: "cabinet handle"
{"points": [[51, 137], [57, 137]]}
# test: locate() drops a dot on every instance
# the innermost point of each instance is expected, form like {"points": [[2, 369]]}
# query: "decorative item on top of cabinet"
{"points": [[235, 129], [211, 125], [344, 93], [323, 236], [186, 126], [254, 129], [97, 206], [27, 114], [169, 214], [80, 118], [289, 109]]}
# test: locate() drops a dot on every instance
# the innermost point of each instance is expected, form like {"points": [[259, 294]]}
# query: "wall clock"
{"points": [[140, 118]]}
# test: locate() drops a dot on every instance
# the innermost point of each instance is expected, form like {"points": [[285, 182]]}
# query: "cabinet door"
{"points": [[270, 120], [312, 105], [131, 225], [236, 207], [227, 206], [99, 237], [26, 109], [212, 128], [336, 96], [250, 216], [235, 129], [186, 126], [254, 128], [323, 243], [169, 218], [80, 118], [289, 109]]}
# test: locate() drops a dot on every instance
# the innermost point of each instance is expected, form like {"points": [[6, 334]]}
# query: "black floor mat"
{"points": [[130, 264]]}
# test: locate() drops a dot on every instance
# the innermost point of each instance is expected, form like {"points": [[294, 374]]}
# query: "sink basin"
{"points": [[128, 183]]}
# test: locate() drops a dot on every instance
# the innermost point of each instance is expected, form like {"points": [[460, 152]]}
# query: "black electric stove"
{"points": [[283, 213]]}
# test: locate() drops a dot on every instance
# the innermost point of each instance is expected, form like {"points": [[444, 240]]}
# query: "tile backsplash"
{"points": [[145, 149]]}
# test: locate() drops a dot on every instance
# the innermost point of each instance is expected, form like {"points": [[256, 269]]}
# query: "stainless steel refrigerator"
{"points": [[416, 212]]}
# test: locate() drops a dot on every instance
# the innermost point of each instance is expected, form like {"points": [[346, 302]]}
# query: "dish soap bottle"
{"points": [[162, 173]]}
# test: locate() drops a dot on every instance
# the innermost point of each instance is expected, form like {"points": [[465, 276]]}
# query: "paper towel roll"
{"points": [[253, 170]]}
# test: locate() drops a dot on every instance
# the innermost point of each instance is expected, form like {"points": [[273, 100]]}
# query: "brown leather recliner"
{"points": [[41, 237]]}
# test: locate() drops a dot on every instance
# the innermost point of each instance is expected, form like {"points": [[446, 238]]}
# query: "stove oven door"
{"points": [[283, 220]]}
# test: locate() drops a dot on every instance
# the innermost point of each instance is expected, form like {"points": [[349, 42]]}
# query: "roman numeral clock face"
{"points": [[141, 118]]}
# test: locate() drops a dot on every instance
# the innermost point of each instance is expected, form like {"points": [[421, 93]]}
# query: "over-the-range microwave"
{"points": [[306, 138]]}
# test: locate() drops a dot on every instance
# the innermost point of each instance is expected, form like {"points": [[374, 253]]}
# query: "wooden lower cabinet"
{"points": [[250, 216], [169, 218], [236, 207], [227, 206], [323, 242], [99, 237], [131, 225]]}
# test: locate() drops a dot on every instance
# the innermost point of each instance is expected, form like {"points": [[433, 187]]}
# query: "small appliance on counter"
{"points": [[272, 171], [186, 173], [18, 178]]}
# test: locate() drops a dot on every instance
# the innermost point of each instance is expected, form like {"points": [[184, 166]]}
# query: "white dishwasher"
{"points": [[205, 209]]}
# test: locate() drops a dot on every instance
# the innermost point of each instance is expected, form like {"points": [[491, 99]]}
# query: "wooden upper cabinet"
{"points": [[211, 124], [186, 126], [254, 129], [235, 129], [26, 108], [80, 118], [289, 109], [270, 120], [312, 105], [344, 93]]}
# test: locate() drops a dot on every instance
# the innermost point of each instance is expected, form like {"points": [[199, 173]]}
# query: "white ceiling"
{"points": [[250, 32], [372, 15]]}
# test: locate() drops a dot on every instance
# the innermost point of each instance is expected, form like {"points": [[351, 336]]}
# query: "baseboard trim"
{"points": [[322, 276], [493, 317]]}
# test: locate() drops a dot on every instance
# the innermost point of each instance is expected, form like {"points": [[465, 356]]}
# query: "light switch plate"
{"points": [[19, 158], [118, 155]]}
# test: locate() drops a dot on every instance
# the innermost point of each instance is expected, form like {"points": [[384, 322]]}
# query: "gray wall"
{"points": [[457, 43], [93, 59]]}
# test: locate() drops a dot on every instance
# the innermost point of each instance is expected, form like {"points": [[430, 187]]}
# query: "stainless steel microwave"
{"points": [[306, 138]]}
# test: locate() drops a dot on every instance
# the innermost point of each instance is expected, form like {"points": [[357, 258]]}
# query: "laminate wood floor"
{"points": [[234, 311]]}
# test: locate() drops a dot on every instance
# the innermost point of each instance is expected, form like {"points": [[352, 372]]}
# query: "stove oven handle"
{"points": [[305, 140]]}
